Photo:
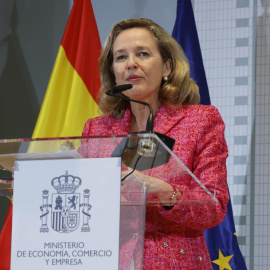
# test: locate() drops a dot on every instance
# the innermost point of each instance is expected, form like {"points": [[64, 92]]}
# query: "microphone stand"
{"points": [[146, 152]]}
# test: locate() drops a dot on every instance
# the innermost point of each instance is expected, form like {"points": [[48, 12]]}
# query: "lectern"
{"points": [[80, 202]]}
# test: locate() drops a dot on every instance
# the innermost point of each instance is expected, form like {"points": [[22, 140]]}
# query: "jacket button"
{"points": [[182, 251], [200, 258], [165, 244]]}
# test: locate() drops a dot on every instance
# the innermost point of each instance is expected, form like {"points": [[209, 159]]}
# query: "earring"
{"points": [[165, 78]]}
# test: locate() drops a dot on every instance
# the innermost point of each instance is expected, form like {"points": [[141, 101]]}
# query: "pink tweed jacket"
{"points": [[174, 239]]}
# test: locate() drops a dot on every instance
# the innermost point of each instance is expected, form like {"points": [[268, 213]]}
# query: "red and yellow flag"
{"points": [[71, 96]]}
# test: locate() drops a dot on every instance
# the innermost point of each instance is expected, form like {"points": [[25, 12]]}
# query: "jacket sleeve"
{"points": [[83, 149], [209, 166]]}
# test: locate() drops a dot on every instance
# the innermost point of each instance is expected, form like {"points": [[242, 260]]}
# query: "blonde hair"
{"points": [[177, 90]]}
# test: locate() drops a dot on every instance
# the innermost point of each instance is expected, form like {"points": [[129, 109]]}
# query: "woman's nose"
{"points": [[132, 63]]}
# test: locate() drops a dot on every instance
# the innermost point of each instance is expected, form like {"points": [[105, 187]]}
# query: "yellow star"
{"points": [[223, 262]]}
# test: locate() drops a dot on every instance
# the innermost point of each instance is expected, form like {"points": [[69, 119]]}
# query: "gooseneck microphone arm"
{"points": [[121, 88], [142, 152]]}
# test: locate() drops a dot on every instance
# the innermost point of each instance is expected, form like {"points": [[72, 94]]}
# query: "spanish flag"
{"points": [[71, 96]]}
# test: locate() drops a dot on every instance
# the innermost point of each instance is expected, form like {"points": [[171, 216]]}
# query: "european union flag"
{"points": [[185, 32], [221, 240]]}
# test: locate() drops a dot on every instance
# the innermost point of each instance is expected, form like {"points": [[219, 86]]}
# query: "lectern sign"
{"points": [[66, 214]]}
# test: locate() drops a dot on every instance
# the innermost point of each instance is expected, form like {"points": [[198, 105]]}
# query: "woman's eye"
{"points": [[120, 57], [144, 54]]}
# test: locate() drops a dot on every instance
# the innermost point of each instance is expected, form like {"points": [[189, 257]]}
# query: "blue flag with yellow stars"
{"points": [[221, 240]]}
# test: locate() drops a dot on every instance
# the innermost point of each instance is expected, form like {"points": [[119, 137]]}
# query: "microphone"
{"points": [[144, 152], [121, 88]]}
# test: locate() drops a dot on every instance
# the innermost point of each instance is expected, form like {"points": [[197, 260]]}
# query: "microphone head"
{"points": [[121, 88]]}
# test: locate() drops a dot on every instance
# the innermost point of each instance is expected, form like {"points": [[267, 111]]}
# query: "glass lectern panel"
{"points": [[142, 155]]}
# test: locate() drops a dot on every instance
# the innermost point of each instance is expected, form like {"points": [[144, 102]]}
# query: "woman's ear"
{"points": [[168, 67]]}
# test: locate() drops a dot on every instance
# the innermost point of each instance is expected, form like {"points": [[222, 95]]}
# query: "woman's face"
{"points": [[137, 61]]}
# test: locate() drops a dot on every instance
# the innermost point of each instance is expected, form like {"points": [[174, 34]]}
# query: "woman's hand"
{"points": [[162, 189]]}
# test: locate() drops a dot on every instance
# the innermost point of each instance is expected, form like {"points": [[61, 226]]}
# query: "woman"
{"points": [[141, 53]]}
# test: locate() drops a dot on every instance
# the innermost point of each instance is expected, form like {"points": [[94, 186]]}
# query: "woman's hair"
{"points": [[177, 90]]}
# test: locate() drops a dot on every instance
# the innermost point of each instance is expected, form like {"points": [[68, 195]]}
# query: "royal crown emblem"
{"points": [[66, 183], [65, 205]]}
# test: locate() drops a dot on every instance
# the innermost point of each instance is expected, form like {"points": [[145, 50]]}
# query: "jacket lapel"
{"points": [[167, 117], [121, 126]]}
